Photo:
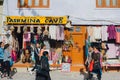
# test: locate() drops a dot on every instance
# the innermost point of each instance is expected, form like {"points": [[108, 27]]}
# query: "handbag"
{"points": [[91, 65]]}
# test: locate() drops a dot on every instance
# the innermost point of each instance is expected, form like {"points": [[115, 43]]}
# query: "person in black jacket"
{"points": [[96, 57], [44, 74]]}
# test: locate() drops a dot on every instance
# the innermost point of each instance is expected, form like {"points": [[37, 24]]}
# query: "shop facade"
{"points": [[75, 36]]}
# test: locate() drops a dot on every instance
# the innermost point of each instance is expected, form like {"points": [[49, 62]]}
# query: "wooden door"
{"points": [[77, 54], [79, 42]]}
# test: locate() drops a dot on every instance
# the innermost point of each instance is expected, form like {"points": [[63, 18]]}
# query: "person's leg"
{"points": [[98, 74], [48, 78], [8, 68], [1, 65]]}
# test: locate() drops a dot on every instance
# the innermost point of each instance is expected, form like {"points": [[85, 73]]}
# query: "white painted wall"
{"points": [[1, 15], [80, 11]]}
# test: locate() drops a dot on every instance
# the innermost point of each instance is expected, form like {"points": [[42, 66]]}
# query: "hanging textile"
{"points": [[60, 32], [27, 36], [39, 30], [18, 29], [24, 29], [53, 32], [46, 31], [111, 32], [97, 32], [31, 29], [118, 34], [12, 28], [90, 33], [104, 33], [111, 53]]}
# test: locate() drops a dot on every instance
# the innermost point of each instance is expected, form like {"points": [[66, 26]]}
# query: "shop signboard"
{"points": [[23, 20]]}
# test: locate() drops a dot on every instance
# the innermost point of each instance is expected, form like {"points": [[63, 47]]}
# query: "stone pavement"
{"points": [[23, 74]]}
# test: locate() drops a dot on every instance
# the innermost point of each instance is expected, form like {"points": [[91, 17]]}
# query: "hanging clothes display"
{"points": [[104, 33], [111, 52], [52, 31], [47, 44], [90, 33], [97, 32], [118, 34], [111, 32], [27, 36], [60, 32]]}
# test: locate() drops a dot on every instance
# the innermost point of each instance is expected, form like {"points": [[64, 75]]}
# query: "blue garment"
{"points": [[1, 53], [87, 45], [86, 48], [7, 55]]}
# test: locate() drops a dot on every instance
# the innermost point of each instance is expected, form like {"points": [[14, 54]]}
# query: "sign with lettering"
{"points": [[23, 20]]}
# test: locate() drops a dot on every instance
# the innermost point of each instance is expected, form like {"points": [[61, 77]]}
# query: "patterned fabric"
{"points": [[111, 32]]}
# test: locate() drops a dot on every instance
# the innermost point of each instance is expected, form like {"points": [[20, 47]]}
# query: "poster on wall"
{"points": [[66, 67]]}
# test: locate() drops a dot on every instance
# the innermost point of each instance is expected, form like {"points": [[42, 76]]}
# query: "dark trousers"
{"points": [[7, 67], [1, 65], [97, 71]]}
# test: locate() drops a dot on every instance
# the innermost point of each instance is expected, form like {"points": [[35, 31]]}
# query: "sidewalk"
{"points": [[23, 74]]}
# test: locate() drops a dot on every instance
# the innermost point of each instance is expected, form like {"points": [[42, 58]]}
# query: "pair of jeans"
{"points": [[7, 67], [1, 67]]}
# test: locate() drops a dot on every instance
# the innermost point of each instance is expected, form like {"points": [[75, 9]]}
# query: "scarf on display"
{"points": [[39, 30], [46, 31], [12, 28], [31, 29], [25, 29], [18, 29]]}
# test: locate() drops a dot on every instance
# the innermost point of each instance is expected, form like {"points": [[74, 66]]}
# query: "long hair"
{"points": [[45, 53], [1, 43], [6, 46]]}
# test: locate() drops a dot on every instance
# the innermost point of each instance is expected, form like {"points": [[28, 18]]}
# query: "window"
{"points": [[77, 29], [114, 2], [45, 2], [33, 3], [108, 3], [37, 2], [29, 2], [99, 2], [21, 2]]}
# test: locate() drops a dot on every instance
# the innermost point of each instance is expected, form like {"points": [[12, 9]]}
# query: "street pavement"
{"points": [[23, 74]]}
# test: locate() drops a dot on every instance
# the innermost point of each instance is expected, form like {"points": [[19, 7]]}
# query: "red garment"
{"points": [[91, 65], [14, 56], [118, 34]]}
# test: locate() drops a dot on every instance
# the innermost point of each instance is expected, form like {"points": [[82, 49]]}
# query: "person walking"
{"points": [[1, 56], [43, 48], [97, 62], [36, 55], [7, 59], [43, 74]]}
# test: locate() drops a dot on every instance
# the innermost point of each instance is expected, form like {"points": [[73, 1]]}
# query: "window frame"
{"points": [[104, 4], [33, 4]]}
